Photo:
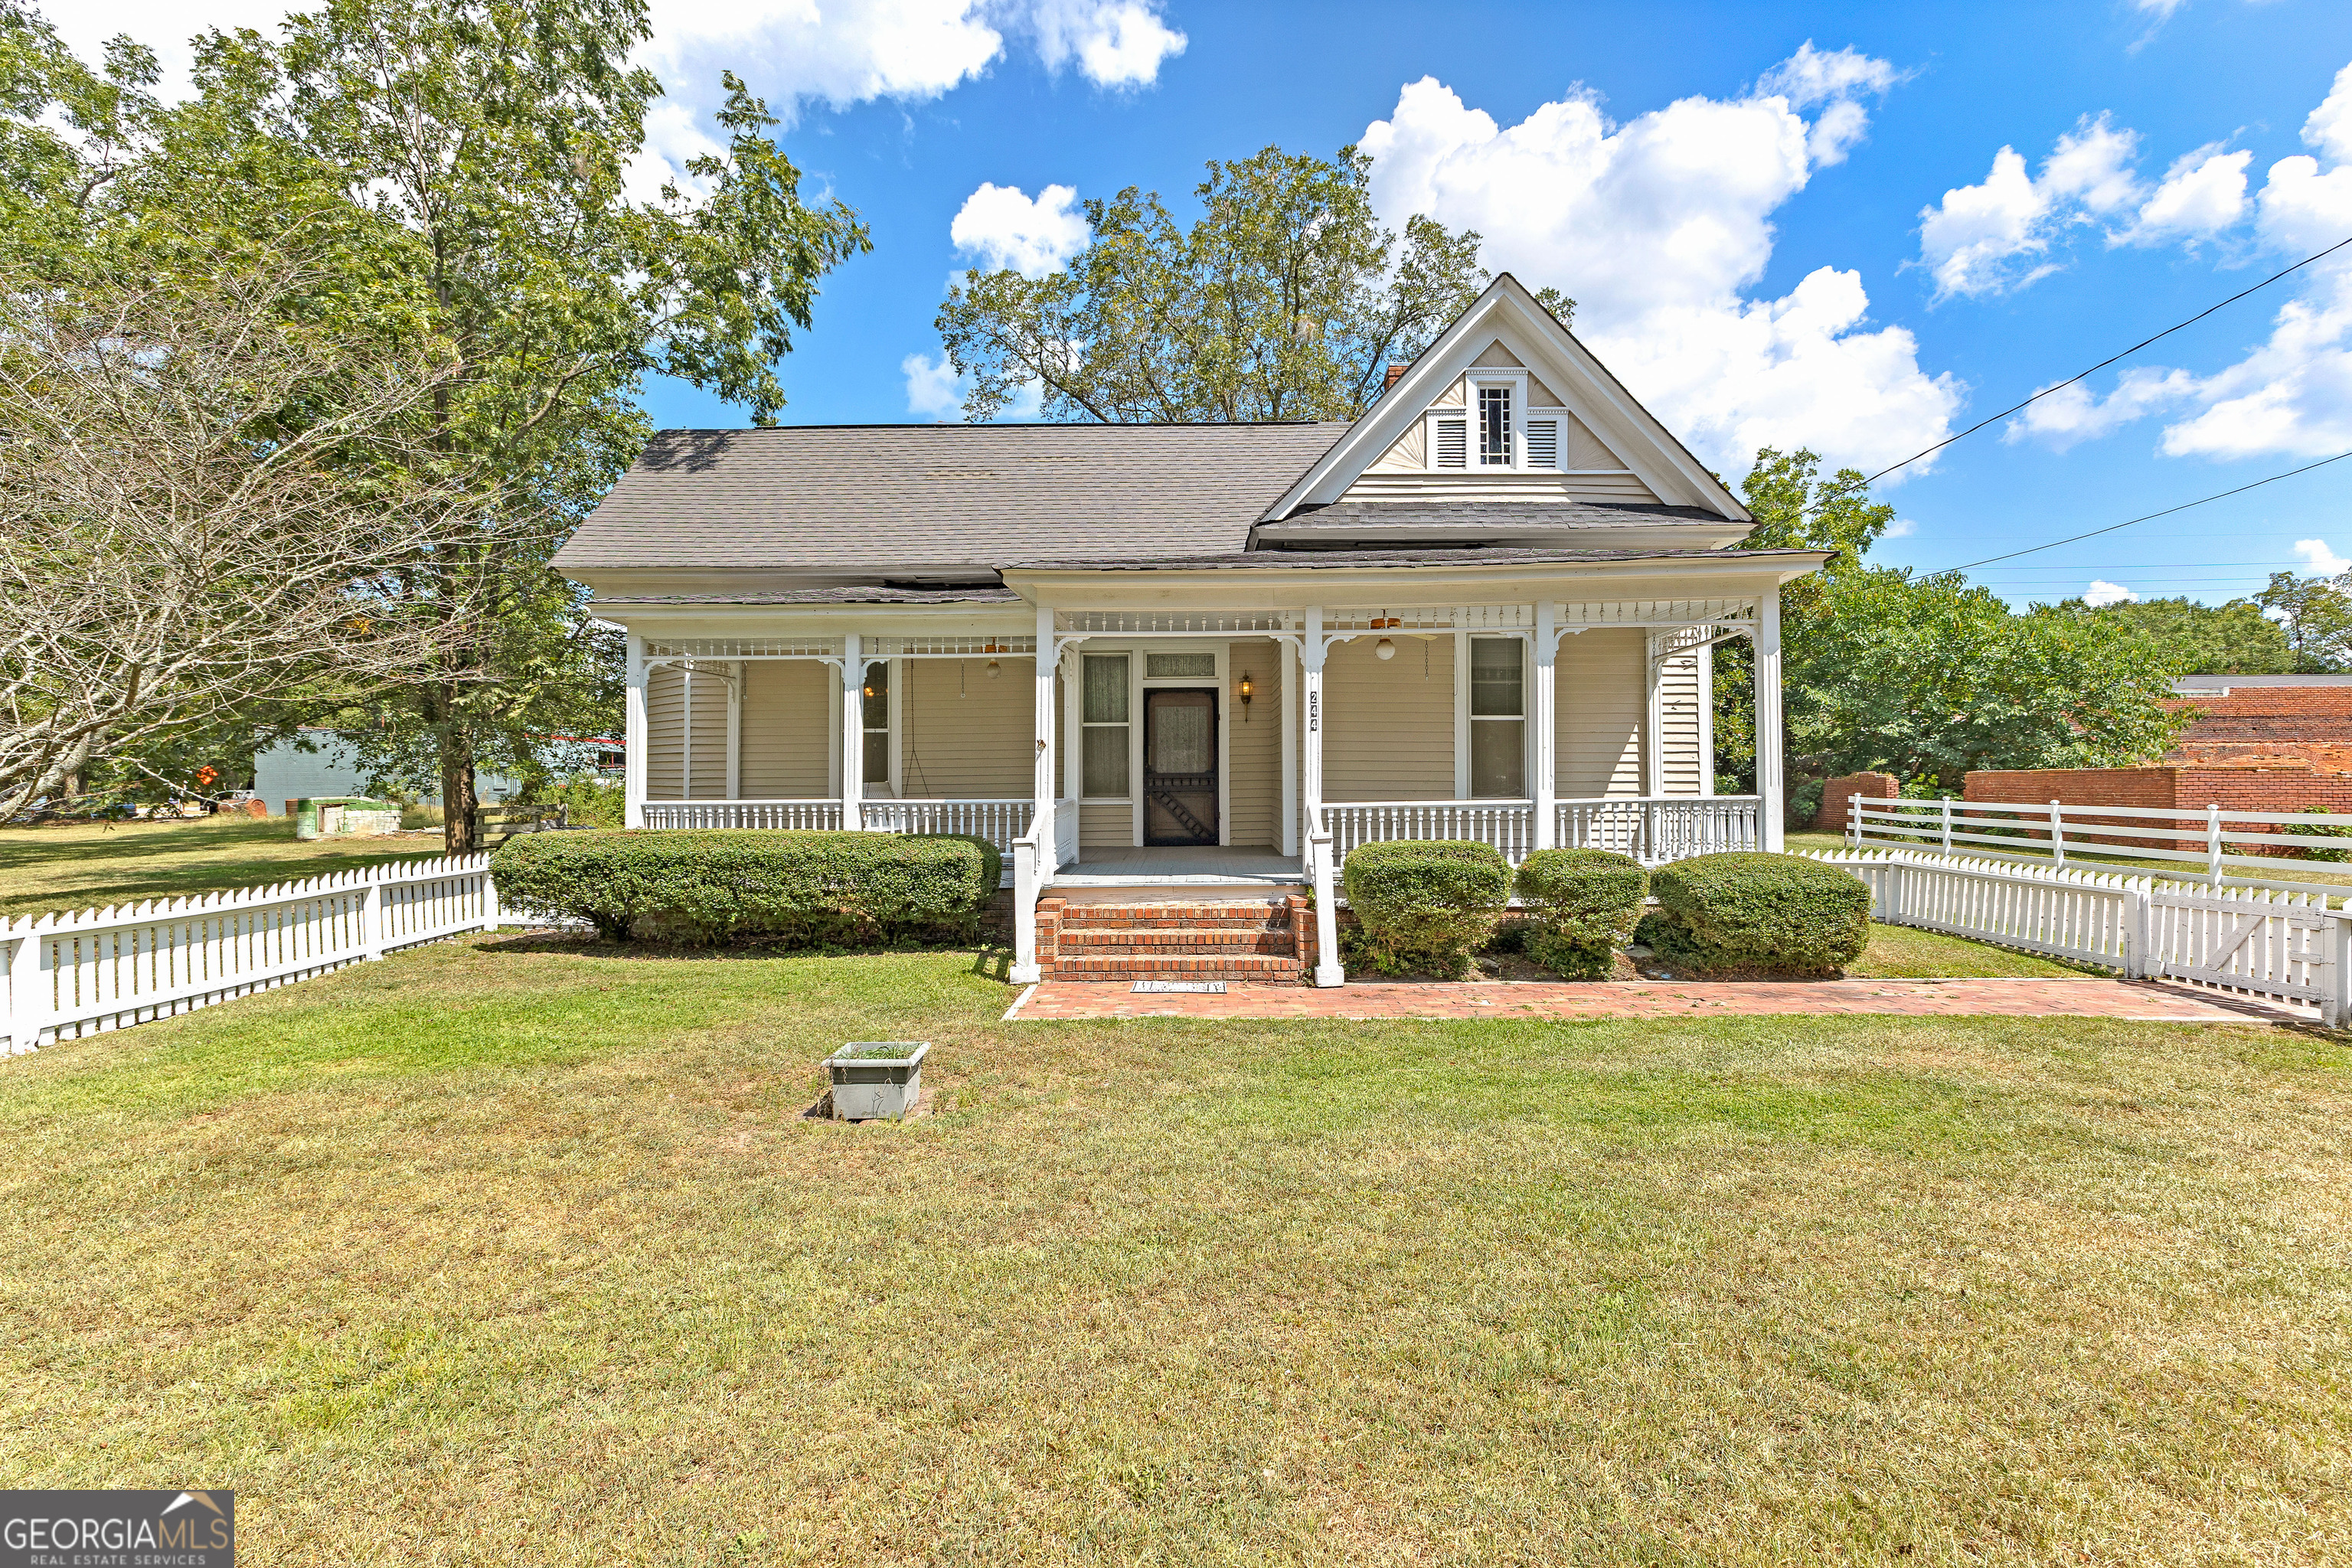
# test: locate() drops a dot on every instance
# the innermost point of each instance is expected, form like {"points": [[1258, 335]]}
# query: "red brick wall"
{"points": [[1838, 791], [2269, 724], [2285, 785]]}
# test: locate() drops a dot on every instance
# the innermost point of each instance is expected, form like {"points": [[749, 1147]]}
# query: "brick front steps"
{"points": [[1266, 940]]}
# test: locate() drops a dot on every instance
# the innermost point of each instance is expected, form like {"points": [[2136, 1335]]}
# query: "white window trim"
{"points": [[894, 773], [1463, 718], [1430, 418], [1078, 709], [1140, 683]]}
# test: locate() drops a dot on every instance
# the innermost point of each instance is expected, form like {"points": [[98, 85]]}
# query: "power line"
{"points": [[2110, 360], [2150, 516]]}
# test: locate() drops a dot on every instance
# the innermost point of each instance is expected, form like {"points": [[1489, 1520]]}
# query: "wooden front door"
{"points": [[1179, 767]]}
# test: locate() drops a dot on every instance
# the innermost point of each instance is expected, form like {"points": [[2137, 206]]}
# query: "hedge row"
{"points": [[1428, 906], [836, 890], [1776, 914], [1581, 906]]}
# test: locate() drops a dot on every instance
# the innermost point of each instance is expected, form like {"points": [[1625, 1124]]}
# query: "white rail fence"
{"points": [[65, 976], [2275, 941], [2213, 841]]}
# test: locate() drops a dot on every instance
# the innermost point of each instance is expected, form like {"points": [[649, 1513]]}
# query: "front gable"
{"points": [[1506, 404]]}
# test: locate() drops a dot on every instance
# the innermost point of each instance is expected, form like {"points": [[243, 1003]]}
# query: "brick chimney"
{"points": [[1396, 374]]}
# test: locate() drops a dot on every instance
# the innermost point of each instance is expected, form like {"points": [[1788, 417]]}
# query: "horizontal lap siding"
{"points": [[1388, 730], [1679, 729], [710, 697], [1107, 825], [1602, 697], [787, 746], [1255, 735], [962, 736], [664, 731]]}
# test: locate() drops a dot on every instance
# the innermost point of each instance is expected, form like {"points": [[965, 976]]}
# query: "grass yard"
{"points": [[88, 865], [510, 1251]]}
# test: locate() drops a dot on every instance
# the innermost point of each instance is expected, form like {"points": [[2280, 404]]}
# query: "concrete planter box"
{"points": [[873, 1087]]}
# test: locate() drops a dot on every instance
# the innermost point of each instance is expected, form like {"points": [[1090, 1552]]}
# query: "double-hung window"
{"points": [[1103, 722], [1498, 719]]}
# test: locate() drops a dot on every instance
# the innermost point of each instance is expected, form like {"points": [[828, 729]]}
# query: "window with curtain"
{"points": [[1499, 718], [877, 723], [1103, 720]]}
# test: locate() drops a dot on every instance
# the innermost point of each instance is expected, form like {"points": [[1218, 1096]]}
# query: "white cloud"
{"points": [[2292, 394], [1656, 228], [935, 392], [1117, 43], [1901, 528], [1001, 227], [2102, 593], [2203, 193], [932, 387], [1991, 237], [2320, 559], [2161, 10]]}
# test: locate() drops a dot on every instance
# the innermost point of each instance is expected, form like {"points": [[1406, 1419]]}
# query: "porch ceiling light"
{"points": [[1384, 648], [994, 670]]}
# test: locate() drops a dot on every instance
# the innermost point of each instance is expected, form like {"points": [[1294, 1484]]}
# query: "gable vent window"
{"points": [[1543, 443], [1452, 443], [1494, 427]]}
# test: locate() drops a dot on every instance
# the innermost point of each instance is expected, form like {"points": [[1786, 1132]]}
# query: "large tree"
{"points": [[1927, 677], [2233, 638], [186, 537], [456, 168], [1284, 300], [2315, 615]]}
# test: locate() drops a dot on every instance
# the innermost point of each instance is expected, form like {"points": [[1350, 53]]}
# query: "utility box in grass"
{"points": [[876, 1080]]}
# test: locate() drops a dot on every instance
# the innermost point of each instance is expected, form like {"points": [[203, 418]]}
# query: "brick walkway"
{"points": [[2136, 1001]]}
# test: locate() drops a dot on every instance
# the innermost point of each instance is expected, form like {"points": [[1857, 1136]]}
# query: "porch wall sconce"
{"points": [[1244, 691]]}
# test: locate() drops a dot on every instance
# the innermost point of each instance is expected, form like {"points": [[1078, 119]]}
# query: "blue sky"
{"points": [[1859, 227]]}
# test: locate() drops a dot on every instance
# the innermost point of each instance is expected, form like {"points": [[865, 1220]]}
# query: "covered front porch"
{"points": [[1201, 748]]}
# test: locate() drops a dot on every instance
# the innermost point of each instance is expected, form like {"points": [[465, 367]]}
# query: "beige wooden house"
{"points": [[1202, 659]]}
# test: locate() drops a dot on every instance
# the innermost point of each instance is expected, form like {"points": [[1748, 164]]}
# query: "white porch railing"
{"points": [[998, 821], [1507, 825], [65, 976], [823, 814], [1654, 830]]}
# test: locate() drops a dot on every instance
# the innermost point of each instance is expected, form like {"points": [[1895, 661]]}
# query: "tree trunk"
{"points": [[457, 802]]}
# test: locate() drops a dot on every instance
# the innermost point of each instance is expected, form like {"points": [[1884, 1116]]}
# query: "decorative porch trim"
{"points": [[947, 646], [1576, 616], [742, 648], [1146, 622]]}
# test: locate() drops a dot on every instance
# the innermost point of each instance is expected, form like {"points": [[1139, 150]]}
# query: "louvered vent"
{"points": [[1543, 443], [1452, 443]]}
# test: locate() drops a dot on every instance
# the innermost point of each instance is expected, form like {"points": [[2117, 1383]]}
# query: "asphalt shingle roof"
{"points": [[1434, 555], [891, 497], [1352, 517]]}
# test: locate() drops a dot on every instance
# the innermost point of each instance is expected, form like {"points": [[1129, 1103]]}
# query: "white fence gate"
{"points": [[2263, 942], [65, 976]]}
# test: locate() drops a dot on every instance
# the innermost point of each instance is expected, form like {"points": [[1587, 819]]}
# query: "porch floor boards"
{"points": [[1207, 867], [2124, 1000]]}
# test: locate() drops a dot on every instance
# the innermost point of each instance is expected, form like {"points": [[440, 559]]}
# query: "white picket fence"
{"points": [[65, 976], [2281, 943], [2266, 843]]}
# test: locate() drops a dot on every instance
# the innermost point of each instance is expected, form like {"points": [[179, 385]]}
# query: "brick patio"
{"points": [[2133, 1000]]}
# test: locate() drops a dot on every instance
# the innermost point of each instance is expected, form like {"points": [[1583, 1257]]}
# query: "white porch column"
{"points": [[852, 733], [1041, 785], [1653, 715], [735, 733], [1707, 718], [1546, 717], [633, 738], [1329, 970], [1768, 716], [1289, 834]]}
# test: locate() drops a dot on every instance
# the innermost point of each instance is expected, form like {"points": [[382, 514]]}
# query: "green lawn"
{"points": [[88, 865], [517, 1252]]}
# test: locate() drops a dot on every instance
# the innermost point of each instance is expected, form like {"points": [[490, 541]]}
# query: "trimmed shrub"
{"points": [[1775, 914], [1425, 906], [1582, 906], [836, 890]]}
